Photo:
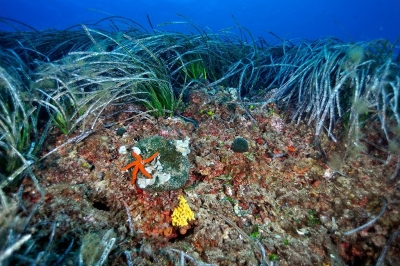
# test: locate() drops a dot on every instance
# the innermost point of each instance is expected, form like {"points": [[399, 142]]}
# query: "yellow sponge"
{"points": [[182, 213]]}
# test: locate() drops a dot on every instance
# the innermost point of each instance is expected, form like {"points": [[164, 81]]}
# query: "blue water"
{"points": [[296, 19]]}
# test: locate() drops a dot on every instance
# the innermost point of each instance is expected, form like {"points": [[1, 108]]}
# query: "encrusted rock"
{"points": [[170, 170]]}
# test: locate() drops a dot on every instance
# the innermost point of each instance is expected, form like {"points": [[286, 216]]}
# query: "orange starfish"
{"points": [[139, 165]]}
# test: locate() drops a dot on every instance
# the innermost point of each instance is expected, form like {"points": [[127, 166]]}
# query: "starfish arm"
{"points": [[144, 171], [151, 158], [134, 173], [132, 164], [137, 156]]}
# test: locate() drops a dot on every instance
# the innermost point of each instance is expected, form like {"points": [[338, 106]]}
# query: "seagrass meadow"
{"points": [[316, 184]]}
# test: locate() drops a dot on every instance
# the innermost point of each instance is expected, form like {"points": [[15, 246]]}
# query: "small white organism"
{"points": [[155, 168], [182, 146]]}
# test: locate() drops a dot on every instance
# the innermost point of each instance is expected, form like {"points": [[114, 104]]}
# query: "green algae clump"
{"points": [[240, 145]]}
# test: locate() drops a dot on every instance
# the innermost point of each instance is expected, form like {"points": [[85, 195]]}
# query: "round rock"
{"points": [[239, 144], [170, 169]]}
